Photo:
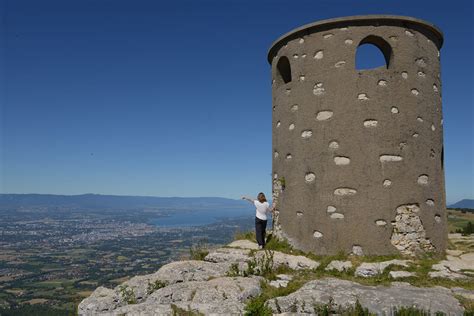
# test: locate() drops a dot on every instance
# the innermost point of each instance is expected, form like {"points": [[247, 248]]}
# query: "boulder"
{"points": [[370, 269], [291, 261], [380, 300], [401, 274], [339, 266], [226, 295]]}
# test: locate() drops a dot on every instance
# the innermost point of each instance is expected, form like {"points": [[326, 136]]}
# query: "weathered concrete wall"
{"points": [[359, 153]]}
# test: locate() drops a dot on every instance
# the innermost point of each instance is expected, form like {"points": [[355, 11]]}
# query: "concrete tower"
{"points": [[358, 155]]}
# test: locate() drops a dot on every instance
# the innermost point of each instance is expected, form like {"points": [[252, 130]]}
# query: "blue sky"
{"points": [[174, 98]]}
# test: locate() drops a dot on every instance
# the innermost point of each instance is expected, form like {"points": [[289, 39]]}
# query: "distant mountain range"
{"points": [[120, 202], [466, 203]]}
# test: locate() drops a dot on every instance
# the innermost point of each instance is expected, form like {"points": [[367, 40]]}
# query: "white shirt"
{"points": [[262, 209]]}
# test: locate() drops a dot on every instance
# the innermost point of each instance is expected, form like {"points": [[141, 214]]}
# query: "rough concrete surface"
{"points": [[365, 142]]}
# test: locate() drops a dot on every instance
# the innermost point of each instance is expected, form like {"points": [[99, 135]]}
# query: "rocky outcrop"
{"points": [[229, 277], [380, 300]]}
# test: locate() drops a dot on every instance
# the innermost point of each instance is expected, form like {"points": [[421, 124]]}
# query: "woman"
{"points": [[261, 208]]}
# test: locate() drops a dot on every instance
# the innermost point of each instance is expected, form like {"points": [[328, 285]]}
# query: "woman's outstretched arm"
{"points": [[248, 199]]}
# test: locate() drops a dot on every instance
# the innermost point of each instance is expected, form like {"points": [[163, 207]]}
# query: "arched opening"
{"points": [[284, 69], [373, 52]]}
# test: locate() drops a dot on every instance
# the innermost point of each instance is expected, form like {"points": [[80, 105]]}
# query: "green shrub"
{"points": [[152, 287], [256, 307], [198, 251], [127, 294]]}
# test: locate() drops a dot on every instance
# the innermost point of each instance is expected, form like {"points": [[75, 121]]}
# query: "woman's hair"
{"points": [[261, 197]]}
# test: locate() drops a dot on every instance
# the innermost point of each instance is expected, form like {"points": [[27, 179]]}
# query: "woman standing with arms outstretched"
{"points": [[262, 207]]}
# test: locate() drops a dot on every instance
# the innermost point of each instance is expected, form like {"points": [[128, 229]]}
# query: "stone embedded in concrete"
{"points": [[387, 183], [419, 119], [289, 156], [299, 213], [415, 135], [345, 191], [337, 216], [433, 128], [409, 33], [420, 62], [342, 161], [301, 40], [306, 134], [353, 95], [415, 92], [362, 96], [324, 115], [370, 123], [291, 127], [295, 56], [390, 158], [339, 64], [333, 145], [276, 154], [309, 177], [319, 54], [348, 41], [329, 35], [294, 108], [357, 250], [435, 88], [302, 77], [437, 218], [423, 179], [430, 202], [278, 124], [331, 209], [318, 89], [317, 234], [380, 222]]}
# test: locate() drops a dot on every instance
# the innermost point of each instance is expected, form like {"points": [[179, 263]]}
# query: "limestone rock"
{"points": [[339, 265], [101, 300], [140, 287], [401, 274], [455, 253], [369, 269], [454, 267], [231, 255], [218, 296], [378, 299], [244, 244], [291, 261], [281, 281]]}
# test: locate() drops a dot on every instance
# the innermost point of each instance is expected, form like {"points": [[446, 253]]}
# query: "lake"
{"points": [[201, 217]]}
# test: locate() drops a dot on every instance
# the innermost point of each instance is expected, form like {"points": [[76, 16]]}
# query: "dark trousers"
{"points": [[260, 227]]}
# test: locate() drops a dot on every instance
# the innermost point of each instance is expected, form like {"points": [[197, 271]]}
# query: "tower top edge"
{"points": [[430, 30]]}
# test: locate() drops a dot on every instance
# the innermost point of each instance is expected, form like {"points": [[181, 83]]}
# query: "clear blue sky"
{"points": [[174, 98]]}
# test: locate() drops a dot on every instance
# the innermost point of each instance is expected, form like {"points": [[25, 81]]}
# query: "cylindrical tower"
{"points": [[358, 155]]}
